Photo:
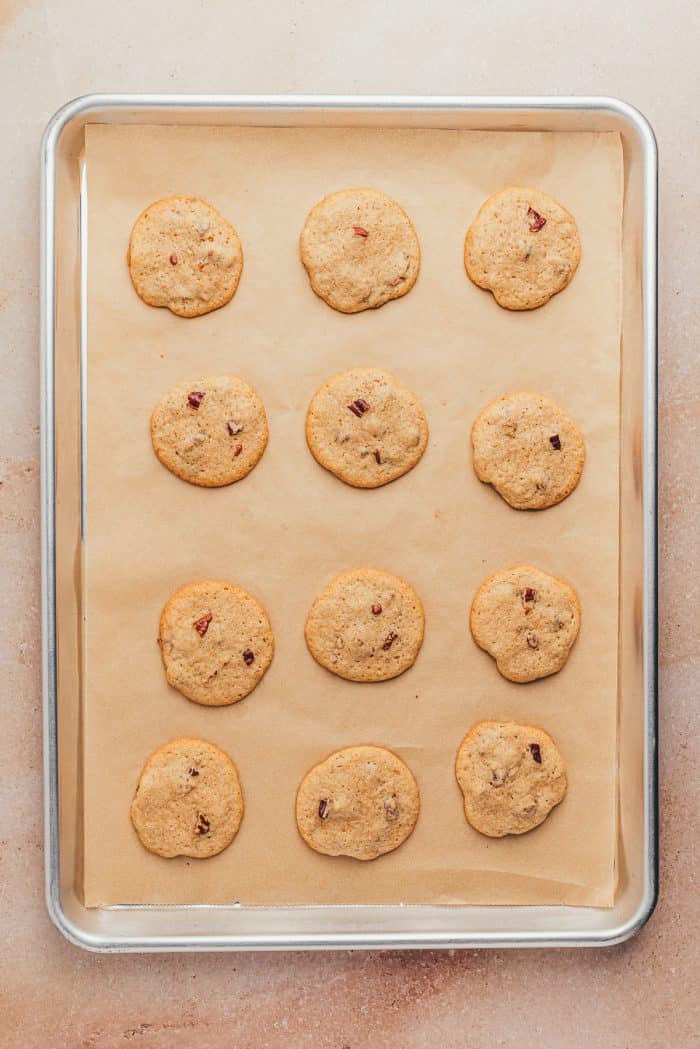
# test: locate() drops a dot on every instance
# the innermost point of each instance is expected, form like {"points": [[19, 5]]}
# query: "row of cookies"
{"points": [[217, 642], [362, 801], [360, 250], [367, 428]]}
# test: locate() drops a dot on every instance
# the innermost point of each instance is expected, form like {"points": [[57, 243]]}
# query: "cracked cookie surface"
{"points": [[528, 449], [216, 642], [361, 801], [527, 620], [360, 250], [210, 432], [511, 776], [523, 246], [188, 801], [185, 256], [366, 427], [367, 625]]}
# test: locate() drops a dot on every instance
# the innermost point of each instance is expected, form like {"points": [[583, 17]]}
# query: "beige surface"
{"points": [[290, 528], [643, 994]]}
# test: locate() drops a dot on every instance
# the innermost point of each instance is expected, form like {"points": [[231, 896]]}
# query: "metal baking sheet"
{"points": [[63, 286]]}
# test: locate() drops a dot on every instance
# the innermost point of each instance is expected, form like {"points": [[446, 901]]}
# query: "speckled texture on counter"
{"points": [[642, 994]]}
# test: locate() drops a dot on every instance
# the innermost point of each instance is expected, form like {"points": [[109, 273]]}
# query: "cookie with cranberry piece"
{"points": [[523, 246], [511, 777], [188, 801], [527, 620], [360, 250], [216, 642], [185, 256], [366, 427], [528, 449], [367, 625], [210, 432], [362, 801]]}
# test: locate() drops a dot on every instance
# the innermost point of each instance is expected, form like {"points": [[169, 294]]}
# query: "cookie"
{"points": [[188, 801], [360, 250], [211, 431], [527, 620], [528, 449], [361, 801], [367, 625], [184, 255], [523, 246], [366, 427], [216, 642], [511, 777]]}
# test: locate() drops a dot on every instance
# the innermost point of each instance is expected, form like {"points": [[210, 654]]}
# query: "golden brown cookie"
{"points": [[184, 255], [362, 801], [216, 642], [188, 801], [210, 432], [360, 250], [511, 776], [367, 625], [528, 449], [523, 246], [366, 427], [527, 620]]}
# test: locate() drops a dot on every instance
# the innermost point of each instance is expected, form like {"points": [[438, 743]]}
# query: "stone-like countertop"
{"points": [[642, 994]]}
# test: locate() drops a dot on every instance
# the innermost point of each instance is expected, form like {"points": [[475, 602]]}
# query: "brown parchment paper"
{"points": [[288, 528]]}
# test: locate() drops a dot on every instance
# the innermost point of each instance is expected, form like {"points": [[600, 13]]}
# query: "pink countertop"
{"points": [[642, 994]]}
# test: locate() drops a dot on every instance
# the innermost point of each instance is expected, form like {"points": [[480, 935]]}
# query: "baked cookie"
{"points": [[216, 642], [211, 431], [184, 255], [360, 250], [361, 801], [527, 620], [511, 776], [523, 246], [188, 801], [366, 427], [367, 625], [528, 449]]}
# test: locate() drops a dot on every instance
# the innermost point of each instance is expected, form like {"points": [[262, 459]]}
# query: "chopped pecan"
{"points": [[555, 441], [537, 221], [323, 811], [203, 824], [360, 231], [391, 808], [173, 259], [376, 609], [389, 640], [195, 398], [378, 457], [248, 657], [233, 427], [536, 753], [238, 450], [193, 771], [359, 407], [529, 596], [202, 625]]}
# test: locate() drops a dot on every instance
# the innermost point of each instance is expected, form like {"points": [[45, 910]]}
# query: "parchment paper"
{"points": [[290, 527]]}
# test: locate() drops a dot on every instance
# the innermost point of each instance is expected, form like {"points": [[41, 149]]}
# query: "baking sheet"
{"points": [[289, 527]]}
